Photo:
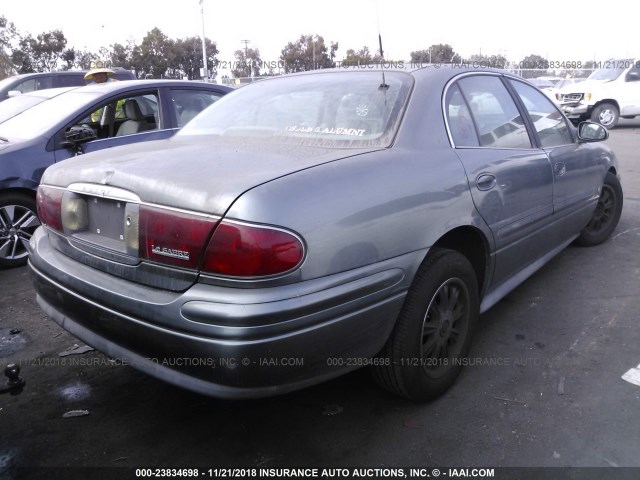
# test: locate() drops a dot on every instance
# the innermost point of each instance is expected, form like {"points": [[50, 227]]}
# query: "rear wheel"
{"points": [[606, 114], [425, 352], [606, 215], [18, 221]]}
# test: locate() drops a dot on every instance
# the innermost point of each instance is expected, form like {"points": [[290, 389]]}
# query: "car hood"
{"points": [[582, 87], [198, 173]]}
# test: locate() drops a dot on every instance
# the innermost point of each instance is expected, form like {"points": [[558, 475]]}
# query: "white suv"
{"points": [[612, 91]]}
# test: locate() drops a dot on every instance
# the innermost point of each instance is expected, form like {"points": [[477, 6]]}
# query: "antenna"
{"points": [[384, 82]]}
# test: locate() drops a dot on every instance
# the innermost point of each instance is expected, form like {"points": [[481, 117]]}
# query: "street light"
{"points": [[204, 48]]}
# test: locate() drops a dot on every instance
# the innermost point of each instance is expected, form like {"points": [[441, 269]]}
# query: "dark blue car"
{"points": [[83, 120]]}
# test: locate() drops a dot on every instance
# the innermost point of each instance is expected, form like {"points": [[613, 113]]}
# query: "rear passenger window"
{"points": [[494, 113], [549, 123], [70, 80], [188, 103], [38, 83]]}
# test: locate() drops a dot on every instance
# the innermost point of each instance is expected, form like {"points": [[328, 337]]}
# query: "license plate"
{"points": [[106, 217]]}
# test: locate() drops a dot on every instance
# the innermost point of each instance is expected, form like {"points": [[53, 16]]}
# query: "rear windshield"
{"points": [[341, 109]]}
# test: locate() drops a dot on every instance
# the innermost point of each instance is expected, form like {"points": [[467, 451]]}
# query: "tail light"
{"points": [[242, 250], [49, 206], [175, 237]]}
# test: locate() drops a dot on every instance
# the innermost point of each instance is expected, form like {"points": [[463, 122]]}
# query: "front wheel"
{"points": [[433, 333], [606, 215], [18, 221], [606, 114]]}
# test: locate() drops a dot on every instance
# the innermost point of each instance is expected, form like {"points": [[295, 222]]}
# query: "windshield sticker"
{"points": [[362, 110], [351, 132]]}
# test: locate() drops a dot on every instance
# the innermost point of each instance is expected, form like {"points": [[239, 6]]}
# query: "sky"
{"points": [[558, 30]]}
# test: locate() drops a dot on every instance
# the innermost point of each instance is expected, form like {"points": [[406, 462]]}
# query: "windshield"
{"points": [[41, 118], [7, 81], [15, 105], [612, 70], [328, 109]]}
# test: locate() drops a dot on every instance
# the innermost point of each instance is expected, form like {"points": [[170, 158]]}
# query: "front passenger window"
{"points": [[549, 123]]}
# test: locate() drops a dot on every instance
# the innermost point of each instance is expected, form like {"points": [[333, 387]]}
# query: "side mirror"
{"points": [[77, 135], [633, 76], [13, 93], [592, 132]]}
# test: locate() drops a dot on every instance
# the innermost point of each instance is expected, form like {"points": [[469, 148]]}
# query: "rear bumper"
{"points": [[221, 341]]}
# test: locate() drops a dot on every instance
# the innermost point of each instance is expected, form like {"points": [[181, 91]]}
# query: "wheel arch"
{"points": [[607, 100], [472, 243], [20, 190]]}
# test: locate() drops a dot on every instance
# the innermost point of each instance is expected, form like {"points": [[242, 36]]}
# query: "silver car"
{"points": [[308, 225]]}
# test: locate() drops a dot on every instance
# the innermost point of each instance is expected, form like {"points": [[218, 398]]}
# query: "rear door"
{"points": [[511, 180]]}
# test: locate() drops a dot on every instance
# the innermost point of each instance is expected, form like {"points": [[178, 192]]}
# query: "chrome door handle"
{"points": [[485, 181]]}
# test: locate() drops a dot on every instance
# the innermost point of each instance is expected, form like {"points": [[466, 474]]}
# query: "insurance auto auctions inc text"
{"points": [[355, 473]]}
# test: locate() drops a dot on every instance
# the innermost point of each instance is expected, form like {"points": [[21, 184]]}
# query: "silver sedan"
{"points": [[308, 225]]}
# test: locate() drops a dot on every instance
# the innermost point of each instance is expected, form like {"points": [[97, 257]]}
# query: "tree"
{"points": [[154, 55], [122, 55], [532, 64], [360, 57], [488, 61], [248, 63], [437, 53], [47, 50], [8, 35], [22, 56], [188, 57], [309, 52]]}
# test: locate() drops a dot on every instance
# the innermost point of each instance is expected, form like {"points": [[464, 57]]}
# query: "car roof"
{"points": [[114, 87]]}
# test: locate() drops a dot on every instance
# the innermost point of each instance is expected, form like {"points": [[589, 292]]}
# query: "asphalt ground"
{"points": [[543, 388]]}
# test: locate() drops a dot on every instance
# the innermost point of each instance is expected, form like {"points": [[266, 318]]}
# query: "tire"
{"points": [[18, 221], [606, 215], [424, 355], [606, 114]]}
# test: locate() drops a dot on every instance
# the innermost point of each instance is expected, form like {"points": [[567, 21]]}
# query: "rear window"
{"points": [[341, 109]]}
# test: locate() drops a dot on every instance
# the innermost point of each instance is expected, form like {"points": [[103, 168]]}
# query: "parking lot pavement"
{"points": [[543, 386]]}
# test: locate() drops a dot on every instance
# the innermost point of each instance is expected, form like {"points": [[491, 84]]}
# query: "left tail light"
{"points": [[49, 206]]}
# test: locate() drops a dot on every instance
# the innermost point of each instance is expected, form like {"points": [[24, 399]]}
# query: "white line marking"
{"points": [[633, 376]]}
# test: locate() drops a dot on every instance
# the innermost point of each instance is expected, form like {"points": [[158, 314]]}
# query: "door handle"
{"points": [[485, 181], [560, 168]]}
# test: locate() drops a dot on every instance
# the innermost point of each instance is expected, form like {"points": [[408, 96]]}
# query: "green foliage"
{"points": [[247, 63], [8, 35], [360, 57], [437, 53], [309, 52], [488, 61]]}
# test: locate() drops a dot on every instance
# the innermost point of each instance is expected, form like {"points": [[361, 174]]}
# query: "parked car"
{"points": [[546, 86], [308, 225], [86, 119], [15, 105], [29, 82], [610, 92]]}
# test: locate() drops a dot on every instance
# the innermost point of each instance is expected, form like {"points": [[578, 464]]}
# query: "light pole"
{"points": [[204, 47]]}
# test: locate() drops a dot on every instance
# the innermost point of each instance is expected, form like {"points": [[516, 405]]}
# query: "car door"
{"points": [[510, 179], [110, 118], [630, 91], [577, 168]]}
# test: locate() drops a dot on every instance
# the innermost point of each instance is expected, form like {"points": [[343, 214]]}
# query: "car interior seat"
{"points": [[136, 122]]}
